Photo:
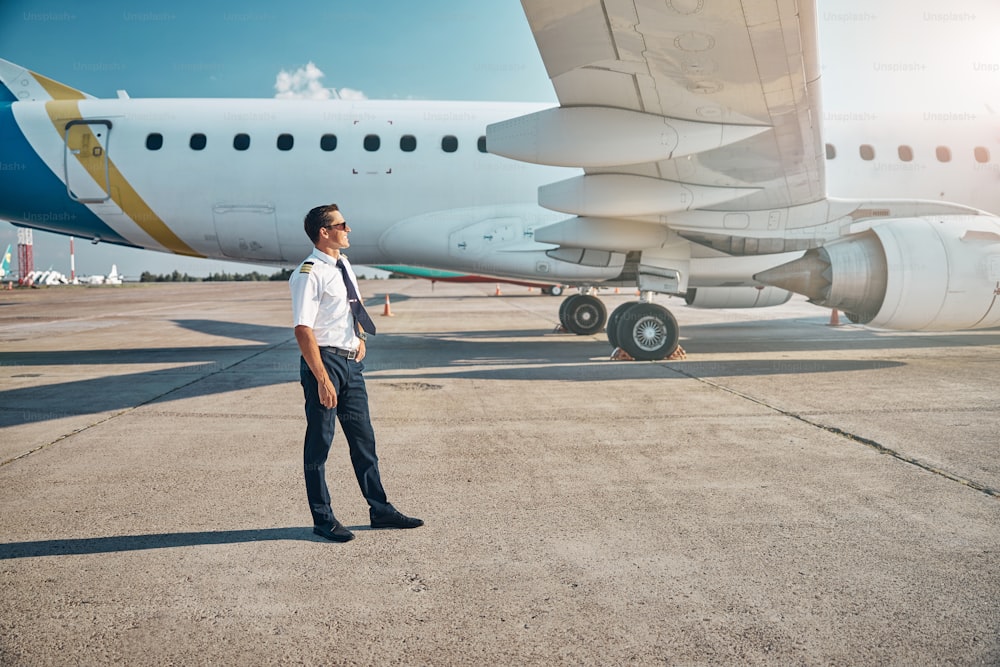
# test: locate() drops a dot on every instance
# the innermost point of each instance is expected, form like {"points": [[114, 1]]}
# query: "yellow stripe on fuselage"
{"points": [[62, 111], [58, 91]]}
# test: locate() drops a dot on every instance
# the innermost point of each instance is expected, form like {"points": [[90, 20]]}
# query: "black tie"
{"points": [[357, 307]]}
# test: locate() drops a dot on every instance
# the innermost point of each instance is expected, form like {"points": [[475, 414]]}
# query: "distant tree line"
{"points": [[178, 277]]}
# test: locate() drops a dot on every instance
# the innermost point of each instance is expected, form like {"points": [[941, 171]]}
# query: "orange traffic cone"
{"points": [[386, 311], [835, 318], [498, 292]]}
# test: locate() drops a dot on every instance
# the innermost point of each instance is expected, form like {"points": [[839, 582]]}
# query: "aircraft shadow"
{"points": [[121, 543], [453, 354], [378, 299], [200, 371]]}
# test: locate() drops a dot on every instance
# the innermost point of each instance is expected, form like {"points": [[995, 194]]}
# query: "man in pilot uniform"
{"points": [[331, 327]]}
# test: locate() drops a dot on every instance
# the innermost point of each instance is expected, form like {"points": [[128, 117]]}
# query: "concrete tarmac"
{"points": [[791, 493]]}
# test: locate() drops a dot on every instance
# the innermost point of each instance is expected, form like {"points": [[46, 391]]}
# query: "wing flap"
{"points": [[730, 62]]}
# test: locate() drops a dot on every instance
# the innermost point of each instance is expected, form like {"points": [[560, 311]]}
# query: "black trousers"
{"points": [[355, 420]]}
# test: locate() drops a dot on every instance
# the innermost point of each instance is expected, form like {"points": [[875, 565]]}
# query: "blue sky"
{"points": [[878, 55], [384, 49]]}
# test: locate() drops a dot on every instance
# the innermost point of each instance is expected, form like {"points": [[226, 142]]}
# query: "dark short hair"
{"points": [[316, 218]]}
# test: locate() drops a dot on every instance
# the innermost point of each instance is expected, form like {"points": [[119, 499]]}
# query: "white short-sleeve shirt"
{"points": [[320, 301]]}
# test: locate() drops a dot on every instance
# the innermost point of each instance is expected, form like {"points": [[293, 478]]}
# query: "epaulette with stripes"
{"points": [[306, 267]]}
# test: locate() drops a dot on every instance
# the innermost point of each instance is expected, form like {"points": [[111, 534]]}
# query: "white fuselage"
{"points": [[233, 179]]}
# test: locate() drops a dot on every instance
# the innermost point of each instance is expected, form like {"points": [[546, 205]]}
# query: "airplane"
{"points": [[113, 278], [46, 278], [5, 263], [689, 155]]}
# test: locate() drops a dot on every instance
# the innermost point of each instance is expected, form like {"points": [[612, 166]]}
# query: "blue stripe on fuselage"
{"points": [[32, 196]]}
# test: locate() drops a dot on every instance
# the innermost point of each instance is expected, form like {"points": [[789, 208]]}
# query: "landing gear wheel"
{"points": [[554, 290], [562, 310], [647, 332], [612, 328], [583, 314]]}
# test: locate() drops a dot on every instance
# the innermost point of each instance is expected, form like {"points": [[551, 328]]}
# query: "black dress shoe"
{"points": [[334, 532], [394, 519]]}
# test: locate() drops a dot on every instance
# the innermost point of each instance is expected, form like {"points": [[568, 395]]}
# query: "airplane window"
{"points": [[831, 151], [328, 142], [481, 144], [449, 143], [943, 154], [982, 155], [154, 141], [285, 142], [198, 141], [407, 143], [241, 142], [867, 152], [372, 143], [906, 154]]}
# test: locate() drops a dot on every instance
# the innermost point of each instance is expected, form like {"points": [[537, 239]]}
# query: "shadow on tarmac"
{"points": [[121, 543], [524, 354]]}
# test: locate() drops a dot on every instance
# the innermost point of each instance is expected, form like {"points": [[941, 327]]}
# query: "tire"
{"points": [[612, 328], [564, 308], [583, 314], [648, 332], [556, 290]]}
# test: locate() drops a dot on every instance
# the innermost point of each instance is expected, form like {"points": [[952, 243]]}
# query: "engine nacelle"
{"points": [[736, 297], [933, 274]]}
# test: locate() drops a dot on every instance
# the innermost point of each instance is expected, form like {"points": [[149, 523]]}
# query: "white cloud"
{"points": [[306, 83], [351, 94]]}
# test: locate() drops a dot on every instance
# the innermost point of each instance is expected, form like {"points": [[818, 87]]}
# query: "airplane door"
{"points": [[247, 231], [87, 144]]}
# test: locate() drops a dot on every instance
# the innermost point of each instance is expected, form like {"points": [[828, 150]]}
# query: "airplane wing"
{"points": [[731, 88]]}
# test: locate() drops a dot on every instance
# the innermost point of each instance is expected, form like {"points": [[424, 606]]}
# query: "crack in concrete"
{"points": [[868, 442]]}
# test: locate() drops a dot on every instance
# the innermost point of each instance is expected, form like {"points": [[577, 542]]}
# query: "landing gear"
{"points": [[553, 290], [644, 331], [614, 318], [582, 314]]}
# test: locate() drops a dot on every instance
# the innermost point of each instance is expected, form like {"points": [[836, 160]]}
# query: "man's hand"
{"points": [[327, 392], [310, 352], [362, 351]]}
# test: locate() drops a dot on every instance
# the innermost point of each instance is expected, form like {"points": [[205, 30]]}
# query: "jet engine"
{"points": [[935, 274]]}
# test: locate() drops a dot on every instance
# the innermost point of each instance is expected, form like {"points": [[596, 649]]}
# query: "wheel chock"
{"points": [[621, 355]]}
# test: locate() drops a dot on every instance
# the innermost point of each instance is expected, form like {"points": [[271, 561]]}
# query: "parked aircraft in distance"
{"points": [[687, 156], [5, 263], [113, 278]]}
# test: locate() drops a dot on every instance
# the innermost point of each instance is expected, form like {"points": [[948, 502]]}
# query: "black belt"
{"points": [[350, 354]]}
